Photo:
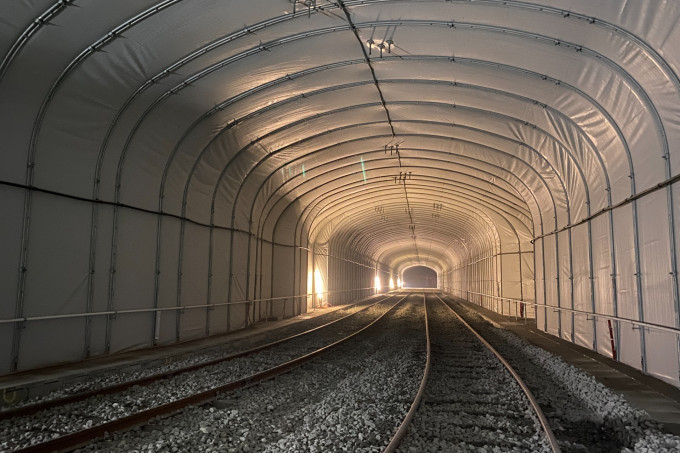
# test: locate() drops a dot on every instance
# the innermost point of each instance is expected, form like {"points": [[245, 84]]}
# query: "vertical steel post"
{"points": [[638, 284], [180, 260], [94, 218], [210, 275], [571, 283], [156, 279], [295, 279], [271, 285], [559, 298], [249, 302], [112, 278], [615, 289], [545, 285], [23, 269], [591, 278], [521, 273], [258, 258], [231, 272], [674, 261], [313, 277]]}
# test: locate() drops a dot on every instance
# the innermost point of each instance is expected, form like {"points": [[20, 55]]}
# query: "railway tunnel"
{"points": [[173, 170]]}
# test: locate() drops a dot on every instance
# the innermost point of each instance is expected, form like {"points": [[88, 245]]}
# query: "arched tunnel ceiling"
{"points": [[412, 131]]}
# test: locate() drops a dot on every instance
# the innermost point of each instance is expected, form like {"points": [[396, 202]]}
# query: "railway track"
{"points": [[353, 400], [586, 415], [67, 423], [79, 387], [472, 400], [347, 401]]}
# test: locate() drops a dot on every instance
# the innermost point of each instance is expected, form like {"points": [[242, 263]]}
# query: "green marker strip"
{"points": [[303, 170], [363, 168]]}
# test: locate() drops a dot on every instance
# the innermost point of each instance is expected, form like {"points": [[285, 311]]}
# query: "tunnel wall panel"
{"points": [[102, 264], [42, 341], [134, 279], [241, 245], [194, 280], [239, 313], [655, 259], [603, 280], [646, 348], [135, 260], [58, 254], [7, 338], [551, 285], [219, 281], [627, 291], [192, 323], [167, 279], [131, 331], [283, 281], [583, 302], [56, 280], [657, 286], [264, 280], [512, 275], [10, 248], [565, 284], [540, 289], [98, 335]]}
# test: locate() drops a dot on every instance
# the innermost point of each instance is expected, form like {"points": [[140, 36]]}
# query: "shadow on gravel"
{"points": [[596, 436]]}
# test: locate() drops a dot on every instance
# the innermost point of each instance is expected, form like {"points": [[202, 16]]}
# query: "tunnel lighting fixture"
{"points": [[304, 173], [363, 169], [311, 4], [391, 283], [393, 149], [378, 286], [403, 176], [382, 45]]}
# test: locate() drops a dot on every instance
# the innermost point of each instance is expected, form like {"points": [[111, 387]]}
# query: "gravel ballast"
{"points": [[350, 399], [585, 415], [20, 432], [173, 362], [472, 403], [354, 397]]}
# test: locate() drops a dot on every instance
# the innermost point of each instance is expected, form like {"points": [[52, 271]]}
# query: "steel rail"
{"points": [[552, 440], [34, 408], [81, 438], [401, 432]]}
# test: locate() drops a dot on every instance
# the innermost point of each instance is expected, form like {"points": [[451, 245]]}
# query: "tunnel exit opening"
{"points": [[420, 277]]}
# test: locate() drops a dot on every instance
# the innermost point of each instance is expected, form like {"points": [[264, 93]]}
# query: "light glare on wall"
{"points": [[399, 283], [378, 286], [318, 283], [391, 283]]}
